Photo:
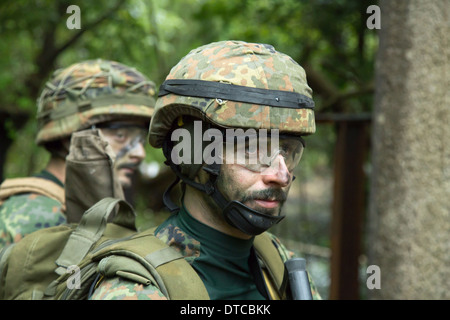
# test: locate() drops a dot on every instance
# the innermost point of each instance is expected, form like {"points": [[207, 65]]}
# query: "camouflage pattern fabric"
{"points": [[236, 63], [23, 214], [90, 92], [120, 289]]}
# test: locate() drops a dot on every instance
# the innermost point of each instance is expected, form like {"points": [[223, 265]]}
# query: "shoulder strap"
{"points": [[268, 253], [4, 255], [45, 187], [90, 229], [146, 259]]}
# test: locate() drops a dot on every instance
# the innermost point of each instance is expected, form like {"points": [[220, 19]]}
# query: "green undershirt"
{"points": [[223, 261]]}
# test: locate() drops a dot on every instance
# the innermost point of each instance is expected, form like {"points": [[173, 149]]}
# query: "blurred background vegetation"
{"points": [[329, 38]]}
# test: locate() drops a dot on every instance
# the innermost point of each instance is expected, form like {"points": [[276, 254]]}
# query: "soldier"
{"points": [[112, 97], [216, 90]]}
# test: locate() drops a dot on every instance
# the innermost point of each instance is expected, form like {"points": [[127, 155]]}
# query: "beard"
{"points": [[231, 191], [132, 166], [125, 177], [273, 194]]}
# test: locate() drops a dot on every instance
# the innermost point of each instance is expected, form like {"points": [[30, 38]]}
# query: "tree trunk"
{"points": [[410, 188]]}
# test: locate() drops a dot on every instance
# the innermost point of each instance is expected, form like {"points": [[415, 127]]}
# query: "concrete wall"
{"points": [[409, 210]]}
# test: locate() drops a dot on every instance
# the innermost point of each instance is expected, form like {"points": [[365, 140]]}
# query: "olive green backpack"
{"points": [[42, 265], [47, 263]]}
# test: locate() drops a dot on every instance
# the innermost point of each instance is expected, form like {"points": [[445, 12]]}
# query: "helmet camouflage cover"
{"points": [[248, 69], [90, 92]]}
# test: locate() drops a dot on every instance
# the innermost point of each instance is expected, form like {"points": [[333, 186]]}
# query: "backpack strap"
{"points": [[91, 228], [273, 268], [41, 186], [4, 255], [147, 260]]}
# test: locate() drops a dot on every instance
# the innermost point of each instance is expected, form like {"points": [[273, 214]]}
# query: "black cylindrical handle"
{"points": [[298, 279]]}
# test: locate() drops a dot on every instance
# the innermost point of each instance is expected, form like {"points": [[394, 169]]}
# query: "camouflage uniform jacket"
{"points": [[25, 213], [221, 262]]}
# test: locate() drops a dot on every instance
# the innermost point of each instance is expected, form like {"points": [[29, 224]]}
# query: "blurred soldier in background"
{"points": [[107, 96]]}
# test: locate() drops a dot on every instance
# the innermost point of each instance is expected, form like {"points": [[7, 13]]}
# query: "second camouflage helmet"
{"points": [[90, 92]]}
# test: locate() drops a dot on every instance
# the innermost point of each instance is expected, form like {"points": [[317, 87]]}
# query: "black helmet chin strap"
{"points": [[237, 214]]}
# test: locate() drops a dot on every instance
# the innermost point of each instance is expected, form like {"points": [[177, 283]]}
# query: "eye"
{"points": [[120, 135]]}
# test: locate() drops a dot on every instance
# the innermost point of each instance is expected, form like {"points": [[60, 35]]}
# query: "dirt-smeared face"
{"points": [[127, 141]]}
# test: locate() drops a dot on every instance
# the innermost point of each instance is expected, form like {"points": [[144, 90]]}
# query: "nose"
{"points": [[138, 151], [277, 173]]}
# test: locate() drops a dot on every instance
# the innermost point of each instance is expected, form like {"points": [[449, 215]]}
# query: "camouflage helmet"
{"points": [[234, 84], [91, 92]]}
